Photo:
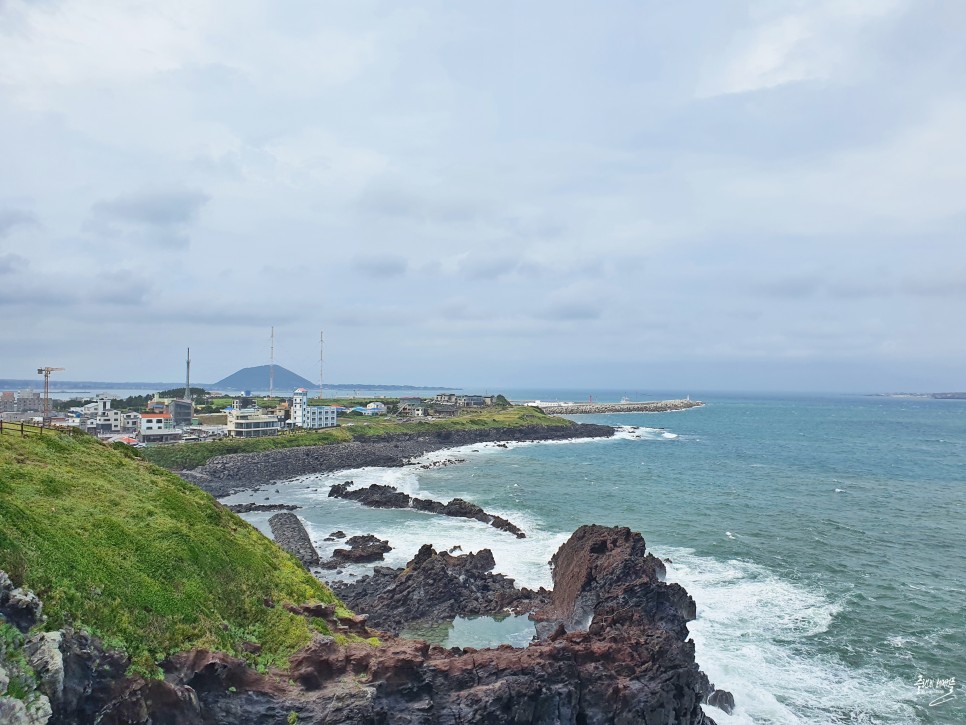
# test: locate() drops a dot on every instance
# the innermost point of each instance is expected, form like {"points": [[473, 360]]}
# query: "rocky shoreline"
{"points": [[612, 647], [229, 474]]}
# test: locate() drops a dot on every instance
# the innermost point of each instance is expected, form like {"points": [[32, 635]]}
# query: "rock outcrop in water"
{"points": [[289, 533], [362, 550], [387, 497], [224, 475], [615, 652], [435, 587]]}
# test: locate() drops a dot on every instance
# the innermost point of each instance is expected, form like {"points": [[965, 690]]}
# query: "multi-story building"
{"points": [[252, 423], [158, 428], [311, 416], [181, 411]]}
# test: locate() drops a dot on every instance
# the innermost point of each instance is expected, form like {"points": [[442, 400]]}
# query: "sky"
{"points": [[700, 195]]}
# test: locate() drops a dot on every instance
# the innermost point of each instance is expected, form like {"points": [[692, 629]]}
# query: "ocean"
{"points": [[821, 537]]}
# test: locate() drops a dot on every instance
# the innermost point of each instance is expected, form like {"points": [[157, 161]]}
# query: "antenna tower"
{"points": [[321, 359], [271, 368], [187, 376]]}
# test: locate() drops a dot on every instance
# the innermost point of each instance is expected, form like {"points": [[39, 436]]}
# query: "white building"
{"points": [[252, 423], [158, 428], [311, 416], [377, 407]]}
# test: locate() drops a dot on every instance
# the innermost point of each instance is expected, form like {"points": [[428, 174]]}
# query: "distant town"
{"points": [[195, 414]]}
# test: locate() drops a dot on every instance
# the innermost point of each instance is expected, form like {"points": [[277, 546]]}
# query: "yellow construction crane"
{"points": [[46, 373]]}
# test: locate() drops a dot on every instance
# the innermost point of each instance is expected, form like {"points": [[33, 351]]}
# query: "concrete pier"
{"points": [[651, 406]]}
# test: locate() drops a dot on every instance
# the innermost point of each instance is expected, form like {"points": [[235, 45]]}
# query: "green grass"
{"points": [[191, 455], [143, 559]]}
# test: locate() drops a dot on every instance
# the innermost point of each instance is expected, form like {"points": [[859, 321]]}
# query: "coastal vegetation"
{"points": [[149, 563], [187, 456]]}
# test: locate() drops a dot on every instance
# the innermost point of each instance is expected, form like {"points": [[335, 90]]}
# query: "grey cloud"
{"points": [[155, 209], [36, 296], [940, 285], [488, 269], [11, 218], [463, 310], [371, 317], [792, 286], [161, 218], [381, 266], [390, 201], [572, 311], [10, 263], [208, 315]]}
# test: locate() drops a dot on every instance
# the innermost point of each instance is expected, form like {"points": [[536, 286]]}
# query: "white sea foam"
{"points": [[523, 560], [643, 433], [403, 479], [748, 623]]}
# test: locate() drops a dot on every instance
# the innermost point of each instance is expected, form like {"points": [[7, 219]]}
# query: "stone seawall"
{"points": [[652, 406], [224, 475]]}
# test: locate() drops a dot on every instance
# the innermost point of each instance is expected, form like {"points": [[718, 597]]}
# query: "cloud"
{"points": [[162, 217], [157, 209], [11, 218], [381, 266], [817, 41], [479, 268], [394, 201], [571, 311], [12, 263]]}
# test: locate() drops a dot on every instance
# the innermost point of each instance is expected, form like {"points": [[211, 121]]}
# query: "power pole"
{"points": [[46, 373], [321, 359]]}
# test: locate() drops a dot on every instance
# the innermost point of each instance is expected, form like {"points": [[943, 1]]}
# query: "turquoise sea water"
{"points": [[822, 538]]}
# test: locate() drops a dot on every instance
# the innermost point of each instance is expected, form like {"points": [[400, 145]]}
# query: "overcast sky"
{"points": [[655, 195]]}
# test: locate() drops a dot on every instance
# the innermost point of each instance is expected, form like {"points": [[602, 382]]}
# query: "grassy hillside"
{"points": [[191, 455], [141, 558]]}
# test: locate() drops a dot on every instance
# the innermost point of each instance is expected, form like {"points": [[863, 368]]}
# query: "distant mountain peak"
{"points": [[257, 378]]}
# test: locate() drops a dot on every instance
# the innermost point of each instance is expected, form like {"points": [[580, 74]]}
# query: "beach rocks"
{"points": [[605, 574], [291, 536], [434, 587], [362, 550], [721, 699], [380, 496]]}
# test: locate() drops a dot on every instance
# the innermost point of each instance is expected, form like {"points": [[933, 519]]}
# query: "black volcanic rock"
{"points": [[292, 536], [435, 587], [386, 497], [362, 550]]}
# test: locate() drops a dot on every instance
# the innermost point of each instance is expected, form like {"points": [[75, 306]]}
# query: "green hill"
{"points": [[256, 378], [144, 560]]}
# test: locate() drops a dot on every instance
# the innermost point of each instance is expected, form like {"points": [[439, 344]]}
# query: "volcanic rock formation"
{"points": [[614, 651], [387, 497], [435, 587]]}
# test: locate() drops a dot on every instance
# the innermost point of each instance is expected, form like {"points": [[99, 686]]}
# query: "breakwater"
{"points": [[651, 406]]}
